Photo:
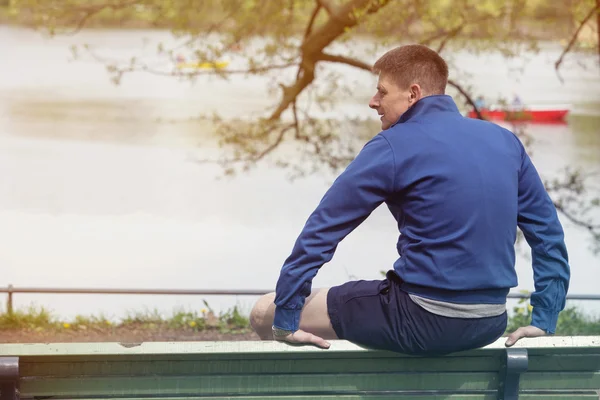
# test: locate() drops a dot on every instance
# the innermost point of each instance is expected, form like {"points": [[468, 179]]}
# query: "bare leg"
{"points": [[313, 319]]}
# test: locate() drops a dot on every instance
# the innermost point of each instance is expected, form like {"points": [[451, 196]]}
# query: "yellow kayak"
{"points": [[203, 65]]}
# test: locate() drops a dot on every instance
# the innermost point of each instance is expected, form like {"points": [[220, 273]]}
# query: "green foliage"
{"points": [[83, 323], [233, 321], [40, 319], [32, 318], [571, 321], [187, 320], [145, 318]]}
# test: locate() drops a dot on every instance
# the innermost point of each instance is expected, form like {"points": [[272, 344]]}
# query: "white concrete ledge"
{"points": [[224, 347]]}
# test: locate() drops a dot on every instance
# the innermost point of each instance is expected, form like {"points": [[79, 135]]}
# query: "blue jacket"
{"points": [[457, 187]]}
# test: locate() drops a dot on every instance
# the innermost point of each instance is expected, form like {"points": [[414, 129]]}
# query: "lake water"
{"points": [[99, 184]]}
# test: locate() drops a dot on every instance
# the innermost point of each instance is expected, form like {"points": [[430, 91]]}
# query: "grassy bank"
{"points": [[38, 318], [40, 325]]}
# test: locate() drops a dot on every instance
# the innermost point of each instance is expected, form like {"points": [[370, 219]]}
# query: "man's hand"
{"points": [[301, 337], [524, 331]]}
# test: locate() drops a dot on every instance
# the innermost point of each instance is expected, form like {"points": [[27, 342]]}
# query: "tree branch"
{"points": [[296, 123], [290, 93], [344, 60], [273, 145], [575, 220], [327, 7], [251, 159], [574, 38], [313, 45], [311, 22], [197, 72], [467, 97], [337, 24], [89, 11], [439, 35], [452, 34]]}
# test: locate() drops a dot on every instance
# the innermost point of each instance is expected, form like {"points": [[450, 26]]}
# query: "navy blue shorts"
{"points": [[378, 315]]}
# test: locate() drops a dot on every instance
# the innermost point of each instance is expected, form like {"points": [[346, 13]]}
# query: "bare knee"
{"points": [[262, 314]]}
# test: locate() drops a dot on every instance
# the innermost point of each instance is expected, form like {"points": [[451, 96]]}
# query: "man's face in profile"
{"points": [[390, 101]]}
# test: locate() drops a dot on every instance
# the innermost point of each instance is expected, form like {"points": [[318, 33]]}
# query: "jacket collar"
{"points": [[429, 105]]}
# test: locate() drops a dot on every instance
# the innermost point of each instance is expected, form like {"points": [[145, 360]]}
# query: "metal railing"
{"points": [[11, 290]]}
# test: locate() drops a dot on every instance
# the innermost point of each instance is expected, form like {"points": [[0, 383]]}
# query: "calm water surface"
{"points": [[99, 187]]}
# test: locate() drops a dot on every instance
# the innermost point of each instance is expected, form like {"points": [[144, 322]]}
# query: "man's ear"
{"points": [[414, 93]]}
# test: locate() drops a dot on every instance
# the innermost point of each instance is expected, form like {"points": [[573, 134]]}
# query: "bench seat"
{"points": [[541, 368]]}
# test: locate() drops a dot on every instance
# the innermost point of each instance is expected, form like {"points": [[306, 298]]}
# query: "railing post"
{"points": [[9, 302], [515, 363], [9, 378]]}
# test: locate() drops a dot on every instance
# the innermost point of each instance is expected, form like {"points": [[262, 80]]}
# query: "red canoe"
{"points": [[537, 114]]}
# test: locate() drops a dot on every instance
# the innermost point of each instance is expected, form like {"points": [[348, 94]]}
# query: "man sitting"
{"points": [[458, 188]]}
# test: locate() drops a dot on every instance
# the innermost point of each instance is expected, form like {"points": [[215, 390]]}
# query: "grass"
{"points": [[39, 319], [33, 319]]}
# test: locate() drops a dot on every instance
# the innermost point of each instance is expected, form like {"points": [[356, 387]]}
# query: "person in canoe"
{"points": [[183, 63], [480, 103]]}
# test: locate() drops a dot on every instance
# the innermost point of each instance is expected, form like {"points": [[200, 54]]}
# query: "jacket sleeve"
{"points": [[538, 220], [359, 190]]}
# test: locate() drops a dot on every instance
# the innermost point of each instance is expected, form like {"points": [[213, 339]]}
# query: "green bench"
{"points": [[543, 368]]}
